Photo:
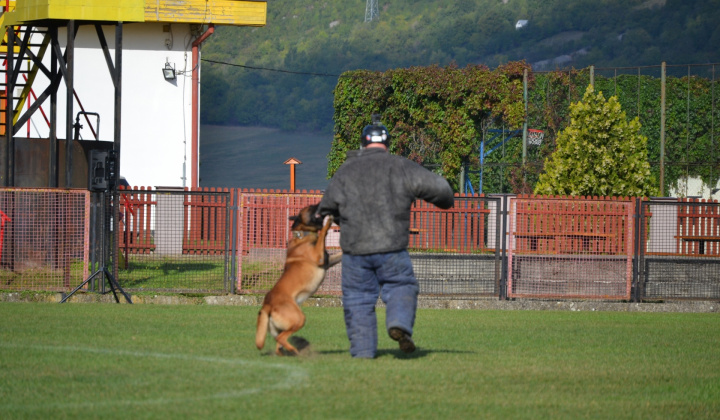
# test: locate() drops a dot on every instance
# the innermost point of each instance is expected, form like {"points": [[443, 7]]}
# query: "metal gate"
{"points": [[453, 251], [570, 248], [175, 240]]}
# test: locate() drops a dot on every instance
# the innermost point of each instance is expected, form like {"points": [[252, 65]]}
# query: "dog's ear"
{"points": [[314, 214], [292, 218]]}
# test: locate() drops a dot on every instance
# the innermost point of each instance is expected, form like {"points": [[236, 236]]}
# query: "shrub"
{"points": [[600, 153]]}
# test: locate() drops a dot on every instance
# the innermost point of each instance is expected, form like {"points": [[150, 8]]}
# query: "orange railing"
{"points": [[136, 209], [263, 221], [571, 225], [460, 229], [698, 227], [204, 220]]}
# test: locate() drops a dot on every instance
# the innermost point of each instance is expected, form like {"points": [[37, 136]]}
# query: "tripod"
{"points": [[103, 270]]}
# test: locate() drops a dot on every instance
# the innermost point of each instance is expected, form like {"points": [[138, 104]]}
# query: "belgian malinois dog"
{"points": [[306, 263]]}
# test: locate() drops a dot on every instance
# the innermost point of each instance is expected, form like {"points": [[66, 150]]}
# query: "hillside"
{"points": [[282, 75]]}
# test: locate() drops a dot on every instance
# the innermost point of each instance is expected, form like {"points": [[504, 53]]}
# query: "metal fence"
{"points": [[570, 248], [234, 241], [43, 238], [175, 240], [263, 221], [448, 248], [680, 256], [454, 251], [677, 106]]}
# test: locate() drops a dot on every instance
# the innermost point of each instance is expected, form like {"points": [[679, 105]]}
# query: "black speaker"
{"points": [[97, 170], [111, 169]]}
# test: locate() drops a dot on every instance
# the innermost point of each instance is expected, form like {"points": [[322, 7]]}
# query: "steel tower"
{"points": [[371, 10]]}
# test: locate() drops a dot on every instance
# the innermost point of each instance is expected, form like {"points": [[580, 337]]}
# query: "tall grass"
{"points": [[155, 361]]}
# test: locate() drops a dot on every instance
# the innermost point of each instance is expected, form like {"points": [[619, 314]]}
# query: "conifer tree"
{"points": [[599, 154]]}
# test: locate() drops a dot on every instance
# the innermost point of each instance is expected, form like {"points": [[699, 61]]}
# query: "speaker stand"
{"points": [[114, 286], [103, 270]]}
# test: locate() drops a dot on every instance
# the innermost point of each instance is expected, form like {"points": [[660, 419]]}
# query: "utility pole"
{"points": [[371, 10]]}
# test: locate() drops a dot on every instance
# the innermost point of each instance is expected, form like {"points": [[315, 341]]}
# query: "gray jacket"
{"points": [[370, 197]]}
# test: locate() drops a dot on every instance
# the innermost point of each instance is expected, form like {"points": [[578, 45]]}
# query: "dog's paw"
{"points": [[284, 352], [299, 342], [302, 345]]}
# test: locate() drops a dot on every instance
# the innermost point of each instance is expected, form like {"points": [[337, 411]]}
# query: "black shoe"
{"points": [[403, 338]]}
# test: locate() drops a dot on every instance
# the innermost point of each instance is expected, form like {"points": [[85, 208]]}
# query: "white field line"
{"points": [[294, 376]]}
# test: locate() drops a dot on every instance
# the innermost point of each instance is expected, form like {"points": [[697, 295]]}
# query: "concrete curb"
{"points": [[572, 305], [423, 302]]}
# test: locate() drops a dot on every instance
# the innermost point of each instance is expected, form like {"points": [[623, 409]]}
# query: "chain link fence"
{"points": [[679, 257], [174, 240], [233, 241], [43, 238], [677, 106]]}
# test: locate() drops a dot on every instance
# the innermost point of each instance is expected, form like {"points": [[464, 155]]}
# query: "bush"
{"points": [[599, 154]]}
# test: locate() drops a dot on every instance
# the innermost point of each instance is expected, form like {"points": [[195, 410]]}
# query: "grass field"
{"points": [[188, 361], [182, 272]]}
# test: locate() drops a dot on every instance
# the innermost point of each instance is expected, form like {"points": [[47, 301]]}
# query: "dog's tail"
{"points": [[262, 326]]}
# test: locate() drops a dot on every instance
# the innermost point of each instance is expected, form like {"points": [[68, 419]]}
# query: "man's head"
{"points": [[375, 134]]}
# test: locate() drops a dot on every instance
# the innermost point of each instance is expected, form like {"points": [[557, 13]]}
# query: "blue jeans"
{"points": [[364, 278]]}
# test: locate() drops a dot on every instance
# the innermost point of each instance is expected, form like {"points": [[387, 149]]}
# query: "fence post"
{"points": [[228, 231], [662, 128], [525, 100], [239, 238], [638, 215], [503, 212]]}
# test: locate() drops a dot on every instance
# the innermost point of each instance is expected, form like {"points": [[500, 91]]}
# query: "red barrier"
{"points": [[3, 218], [570, 247], [136, 210], [698, 228]]}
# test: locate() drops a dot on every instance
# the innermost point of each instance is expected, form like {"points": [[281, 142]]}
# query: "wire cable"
{"points": [[274, 70]]}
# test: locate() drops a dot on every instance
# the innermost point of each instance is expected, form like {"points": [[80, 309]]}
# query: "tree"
{"points": [[600, 153]]}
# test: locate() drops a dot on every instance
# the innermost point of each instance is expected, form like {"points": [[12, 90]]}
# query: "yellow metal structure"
{"points": [[95, 10], [3, 17], [217, 12], [22, 18], [29, 79]]}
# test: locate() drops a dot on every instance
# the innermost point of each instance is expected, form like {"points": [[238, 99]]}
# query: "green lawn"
{"points": [[199, 361], [186, 272], [43, 277], [195, 273]]}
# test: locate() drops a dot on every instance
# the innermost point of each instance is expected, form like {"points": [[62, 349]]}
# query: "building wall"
{"points": [[695, 187], [156, 114]]}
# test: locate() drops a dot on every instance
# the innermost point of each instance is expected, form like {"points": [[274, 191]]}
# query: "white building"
{"points": [[158, 137], [696, 188]]}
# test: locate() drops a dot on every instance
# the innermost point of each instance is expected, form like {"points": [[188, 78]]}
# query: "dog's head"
{"points": [[307, 220]]}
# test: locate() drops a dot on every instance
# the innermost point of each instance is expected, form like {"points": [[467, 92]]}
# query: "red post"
{"points": [[195, 141], [3, 218], [292, 162]]}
